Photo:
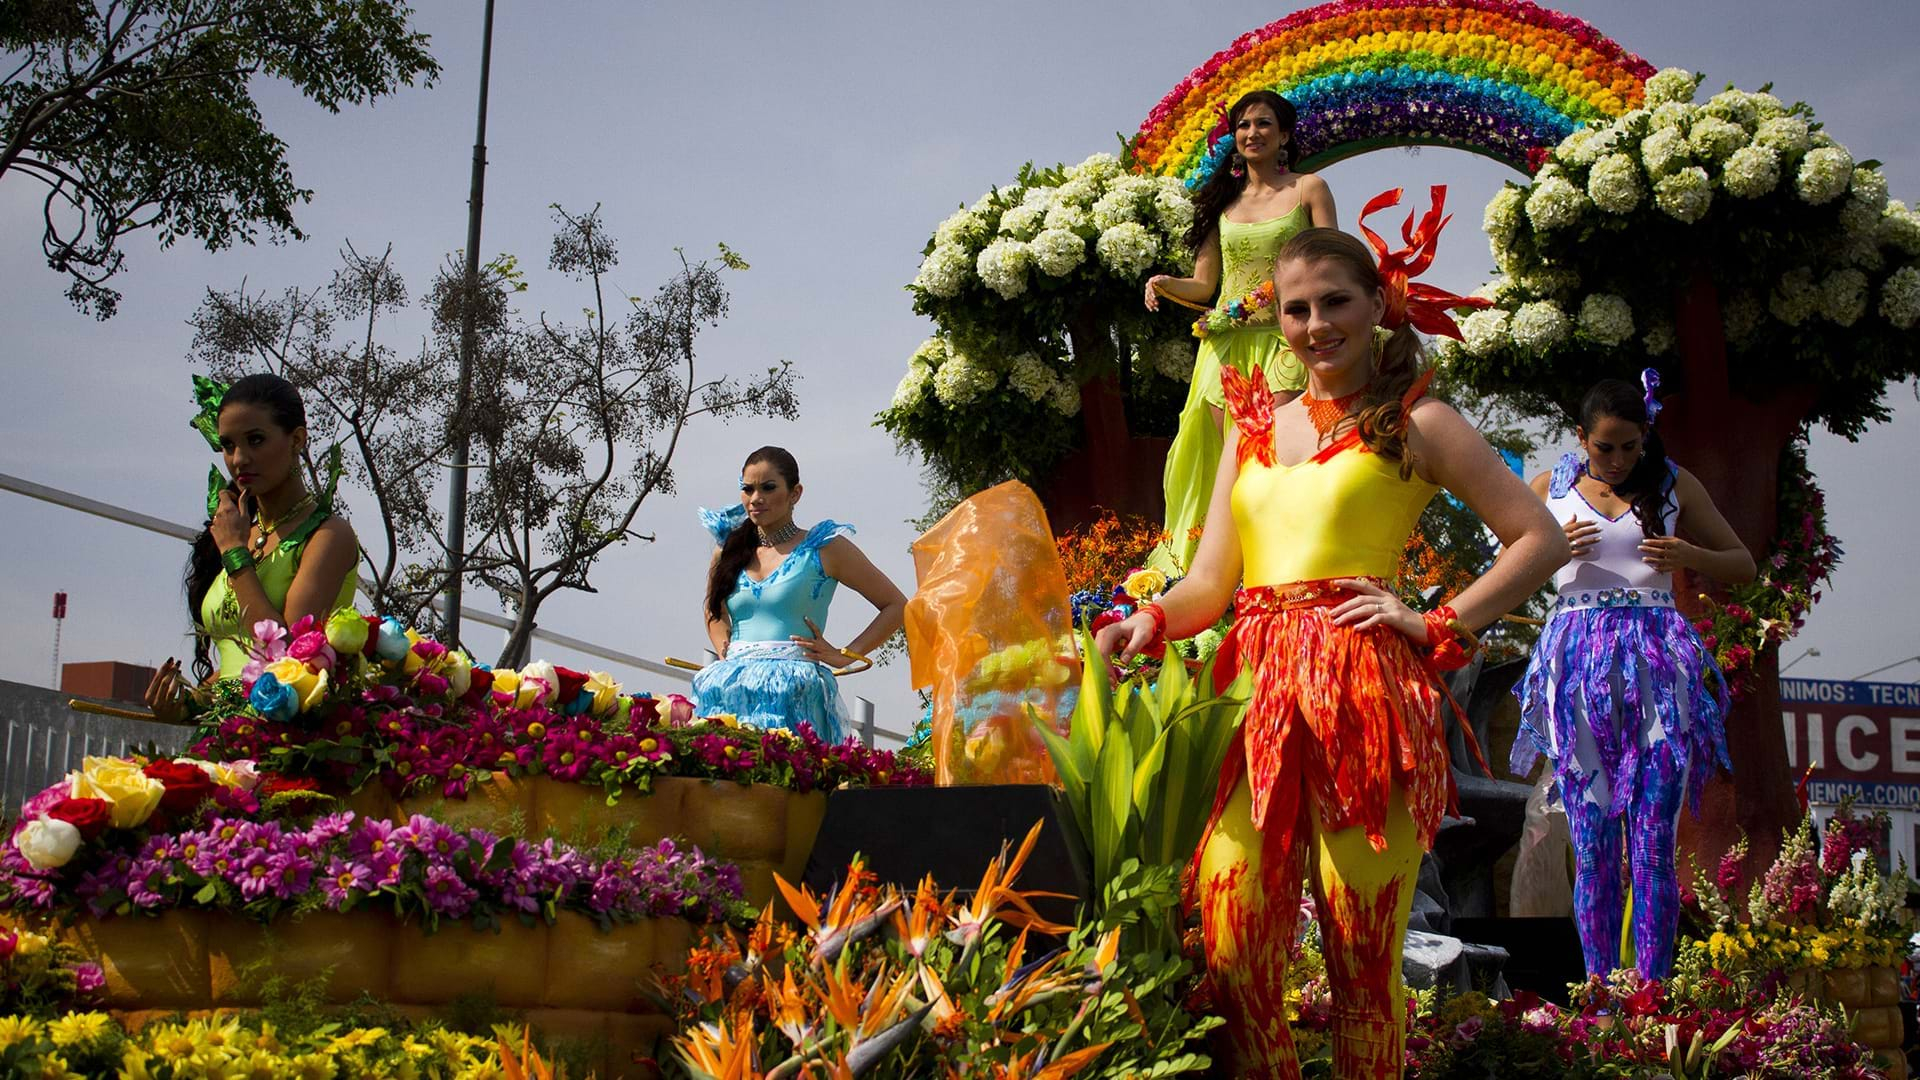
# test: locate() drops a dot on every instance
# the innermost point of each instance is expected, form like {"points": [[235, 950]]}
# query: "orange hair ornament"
{"points": [[1425, 307]]}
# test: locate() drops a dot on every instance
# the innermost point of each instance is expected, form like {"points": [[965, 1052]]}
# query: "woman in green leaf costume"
{"points": [[1243, 214]]}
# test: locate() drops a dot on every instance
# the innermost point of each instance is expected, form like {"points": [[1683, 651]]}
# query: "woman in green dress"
{"points": [[272, 549], [1243, 215]]}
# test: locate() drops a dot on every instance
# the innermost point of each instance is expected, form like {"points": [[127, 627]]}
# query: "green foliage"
{"points": [[143, 116], [1140, 766]]}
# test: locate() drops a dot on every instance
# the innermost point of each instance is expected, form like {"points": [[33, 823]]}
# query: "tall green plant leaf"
{"points": [[1073, 767], [1114, 827]]}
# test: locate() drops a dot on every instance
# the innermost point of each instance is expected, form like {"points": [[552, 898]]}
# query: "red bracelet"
{"points": [[1159, 616], [1444, 634]]}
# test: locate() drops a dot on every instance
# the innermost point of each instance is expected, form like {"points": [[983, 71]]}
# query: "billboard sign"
{"points": [[1861, 738]]}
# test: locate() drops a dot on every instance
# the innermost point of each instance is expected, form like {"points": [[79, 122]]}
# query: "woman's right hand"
{"points": [[1581, 536], [231, 527], [166, 693], [1130, 636], [1153, 291]]}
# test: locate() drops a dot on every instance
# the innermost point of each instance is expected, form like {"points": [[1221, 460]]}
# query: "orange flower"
{"points": [[914, 925], [997, 900]]}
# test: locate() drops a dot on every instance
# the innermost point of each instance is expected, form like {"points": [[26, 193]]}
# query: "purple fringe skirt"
{"points": [[1604, 685]]}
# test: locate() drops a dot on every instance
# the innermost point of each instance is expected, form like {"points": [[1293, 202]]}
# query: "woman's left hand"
{"points": [[1372, 605], [1668, 553], [818, 650]]}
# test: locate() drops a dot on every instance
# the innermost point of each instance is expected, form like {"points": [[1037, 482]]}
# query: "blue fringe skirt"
{"points": [[1605, 684], [771, 684]]}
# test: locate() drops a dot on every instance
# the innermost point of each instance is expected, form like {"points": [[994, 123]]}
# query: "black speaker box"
{"points": [[1543, 954], [906, 833]]}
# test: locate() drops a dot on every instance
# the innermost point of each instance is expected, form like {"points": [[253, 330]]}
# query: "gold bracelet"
{"points": [[859, 659]]}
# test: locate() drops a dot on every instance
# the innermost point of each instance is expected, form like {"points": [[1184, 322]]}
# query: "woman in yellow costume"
{"points": [[1242, 214], [1342, 768]]}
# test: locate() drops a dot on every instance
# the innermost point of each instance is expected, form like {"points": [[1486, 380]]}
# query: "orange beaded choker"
{"points": [[1326, 413]]}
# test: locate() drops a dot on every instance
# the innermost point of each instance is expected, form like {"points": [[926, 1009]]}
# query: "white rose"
{"points": [[47, 843], [546, 684]]}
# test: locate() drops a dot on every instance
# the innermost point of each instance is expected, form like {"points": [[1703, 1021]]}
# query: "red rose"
{"points": [[90, 816], [274, 784], [187, 785], [480, 679], [373, 636], [571, 683]]}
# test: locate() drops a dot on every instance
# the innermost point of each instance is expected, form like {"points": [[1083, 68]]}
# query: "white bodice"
{"points": [[1615, 562]]}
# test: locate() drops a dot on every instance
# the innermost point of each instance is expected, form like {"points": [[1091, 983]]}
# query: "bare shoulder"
{"points": [[1310, 183], [336, 530], [1433, 418], [1542, 484]]}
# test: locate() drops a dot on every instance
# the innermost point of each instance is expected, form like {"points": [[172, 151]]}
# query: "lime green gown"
{"points": [[1247, 254], [220, 608]]}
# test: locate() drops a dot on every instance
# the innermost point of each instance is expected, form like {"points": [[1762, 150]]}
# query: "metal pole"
{"points": [[457, 485], [863, 709]]}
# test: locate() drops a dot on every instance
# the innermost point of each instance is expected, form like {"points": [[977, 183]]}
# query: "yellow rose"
{"points": [[314, 693], [506, 681], [414, 662], [605, 691], [295, 676], [134, 794], [29, 943], [1145, 584]]}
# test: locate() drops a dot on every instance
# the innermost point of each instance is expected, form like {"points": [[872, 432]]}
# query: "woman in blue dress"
{"points": [[767, 596]]}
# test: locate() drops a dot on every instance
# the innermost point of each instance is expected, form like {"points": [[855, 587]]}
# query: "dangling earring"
{"points": [[1239, 165]]}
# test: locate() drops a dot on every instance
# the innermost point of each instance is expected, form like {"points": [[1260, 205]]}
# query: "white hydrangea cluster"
{"points": [[1030, 375], [1502, 219], [1484, 332], [1715, 139], [1555, 203], [1794, 296], [1788, 135], [913, 385], [962, 229], [1002, 267], [1752, 171], [1606, 318], [945, 271], [1843, 296], [961, 379], [1666, 151], [1173, 358], [1069, 216], [1173, 207], [1659, 339], [1578, 148], [1672, 85], [1824, 174], [1065, 397], [1900, 228], [1547, 280], [1128, 249], [1057, 252], [1672, 114], [1685, 195], [1078, 190], [1614, 184], [1116, 207], [1539, 325], [1101, 166], [1734, 106], [1900, 297], [1742, 315], [1866, 201], [1023, 221]]}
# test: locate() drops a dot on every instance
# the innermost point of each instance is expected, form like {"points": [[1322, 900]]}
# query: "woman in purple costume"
{"points": [[1621, 695]]}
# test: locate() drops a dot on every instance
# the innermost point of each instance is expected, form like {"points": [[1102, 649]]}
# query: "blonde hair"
{"points": [[1382, 420]]}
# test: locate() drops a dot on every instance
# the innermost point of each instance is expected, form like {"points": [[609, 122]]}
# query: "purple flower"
{"points": [[255, 873], [88, 979], [447, 894], [145, 881], [345, 879], [431, 838], [373, 838], [291, 875]]}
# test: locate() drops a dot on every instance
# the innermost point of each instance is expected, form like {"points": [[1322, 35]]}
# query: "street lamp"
{"points": [[1883, 667], [1797, 659]]}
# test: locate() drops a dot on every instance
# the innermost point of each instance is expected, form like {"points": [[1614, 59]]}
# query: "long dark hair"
{"points": [[737, 552], [1382, 420], [282, 403], [1649, 486], [1223, 187]]}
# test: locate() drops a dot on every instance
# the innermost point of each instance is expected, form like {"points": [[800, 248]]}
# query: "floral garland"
{"points": [[123, 835], [1254, 309], [366, 700], [1770, 609]]}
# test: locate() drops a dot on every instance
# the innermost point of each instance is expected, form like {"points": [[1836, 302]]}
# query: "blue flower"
{"points": [[393, 644], [273, 699]]}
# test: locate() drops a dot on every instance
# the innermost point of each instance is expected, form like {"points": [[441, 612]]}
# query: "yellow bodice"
{"points": [[1348, 515]]}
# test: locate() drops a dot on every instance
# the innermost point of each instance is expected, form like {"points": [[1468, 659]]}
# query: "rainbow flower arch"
{"points": [[1503, 78]]}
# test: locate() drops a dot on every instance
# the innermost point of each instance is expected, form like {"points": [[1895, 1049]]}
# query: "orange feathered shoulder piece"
{"points": [[1250, 403]]}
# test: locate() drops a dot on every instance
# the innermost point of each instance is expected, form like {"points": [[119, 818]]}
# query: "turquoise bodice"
{"points": [[776, 608]]}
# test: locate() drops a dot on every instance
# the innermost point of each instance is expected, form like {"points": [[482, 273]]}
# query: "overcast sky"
{"points": [[823, 142]]}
